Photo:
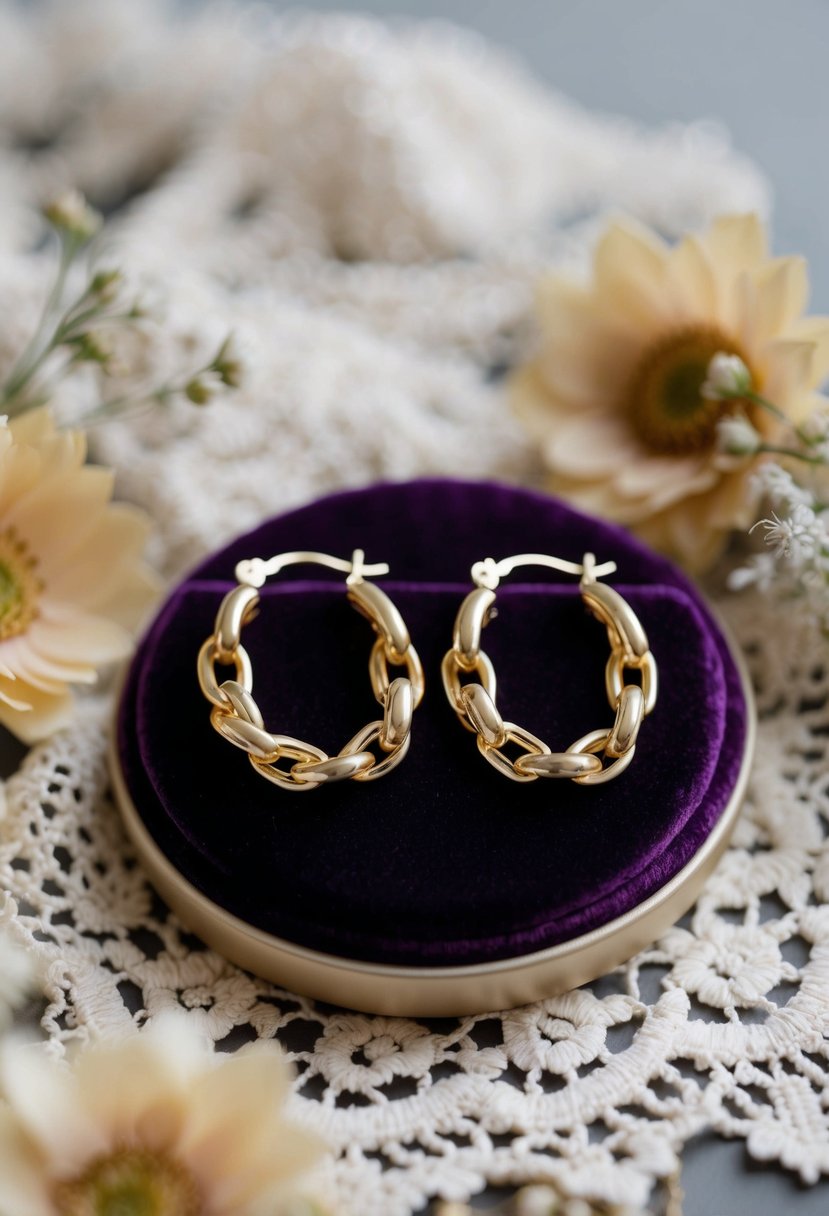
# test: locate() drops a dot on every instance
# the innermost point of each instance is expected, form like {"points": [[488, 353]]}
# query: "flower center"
{"points": [[664, 400], [130, 1182], [19, 585]]}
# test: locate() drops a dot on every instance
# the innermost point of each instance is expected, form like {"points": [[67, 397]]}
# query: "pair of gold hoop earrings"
{"points": [[596, 757]]}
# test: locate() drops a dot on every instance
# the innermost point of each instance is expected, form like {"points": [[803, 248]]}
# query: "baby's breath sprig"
{"points": [[225, 370], [80, 330], [795, 564], [729, 379]]}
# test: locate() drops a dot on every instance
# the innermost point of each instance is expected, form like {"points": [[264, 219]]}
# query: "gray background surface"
{"points": [[761, 68]]}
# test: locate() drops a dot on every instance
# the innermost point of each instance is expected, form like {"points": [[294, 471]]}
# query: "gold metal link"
{"points": [[242, 733], [505, 766], [206, 670], [236, 716], [336, 768], [483, 713], [242, 702], [397, 714], [472, 617], [596, 741], [363, 739], [624, 628], [378, 671], [386, 620], [474, 702], [630, 714], [450, 670], [236, 609], [615, 678], [558, 764], [291, 749]]}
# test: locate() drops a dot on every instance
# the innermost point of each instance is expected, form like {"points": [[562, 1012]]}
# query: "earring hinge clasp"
{"points": [[254, 570], [488, 573]]}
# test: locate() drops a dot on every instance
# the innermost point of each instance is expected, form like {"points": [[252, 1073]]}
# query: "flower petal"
{"points": [[788, 375], [63, 632], [770, 300], [45, 1099], [237, 1140], [692, 280], [736, 243], [630, 268], [592, 446], [46, 714], [814, 330], [77, 497], [24, 1189]]}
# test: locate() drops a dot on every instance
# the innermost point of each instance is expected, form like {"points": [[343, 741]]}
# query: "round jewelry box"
{"points": [[442, 888]]}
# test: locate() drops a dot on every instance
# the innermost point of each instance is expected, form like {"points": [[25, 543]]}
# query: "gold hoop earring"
{"points": [[237, 718], [474, 702]]}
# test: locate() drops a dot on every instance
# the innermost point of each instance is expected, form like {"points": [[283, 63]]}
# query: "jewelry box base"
{"points": [[439, 991]]}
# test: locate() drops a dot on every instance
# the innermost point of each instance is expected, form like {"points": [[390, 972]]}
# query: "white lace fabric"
{"points": [[321, 196]]}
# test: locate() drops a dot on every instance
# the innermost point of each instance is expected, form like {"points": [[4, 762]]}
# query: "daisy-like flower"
{"points": [[626, 391], [72, 585], [153, 1125]]}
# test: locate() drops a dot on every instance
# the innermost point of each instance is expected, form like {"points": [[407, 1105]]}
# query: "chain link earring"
{"points": [[237, 718], [475, 702]]}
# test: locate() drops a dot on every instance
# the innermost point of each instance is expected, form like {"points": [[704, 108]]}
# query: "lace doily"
{"points": [[335, 193]]}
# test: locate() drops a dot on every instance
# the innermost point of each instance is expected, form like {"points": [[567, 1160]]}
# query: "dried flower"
{"points": [[72, 216], [92, 328], [105, 285], [92, 346], [156, 1123], [72, 585], [615, 395], [202, 387], [229, 364]]}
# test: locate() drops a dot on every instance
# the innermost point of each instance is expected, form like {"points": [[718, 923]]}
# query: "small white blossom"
{"points": [[727, 377], [72, 214], [797, 537], [760, 571], [736, 436], [816, 427], [781, 488]]}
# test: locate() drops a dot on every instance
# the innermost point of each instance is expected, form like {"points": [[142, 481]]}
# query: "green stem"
{"points": [[764, 404], [37, 349], [126, 405], [793, 453]]}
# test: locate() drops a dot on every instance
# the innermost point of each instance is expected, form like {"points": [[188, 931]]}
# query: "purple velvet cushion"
{"points": [[444, 861]]}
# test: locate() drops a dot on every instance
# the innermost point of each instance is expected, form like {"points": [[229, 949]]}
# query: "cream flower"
{"points": [[72, 586], [614, 395], [152, 1125]]}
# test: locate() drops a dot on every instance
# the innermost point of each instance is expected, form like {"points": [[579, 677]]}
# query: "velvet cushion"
{"points": [[444, 861]]}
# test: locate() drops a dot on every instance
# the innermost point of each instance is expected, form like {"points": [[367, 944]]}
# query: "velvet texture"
{"points": [[444, 861]]}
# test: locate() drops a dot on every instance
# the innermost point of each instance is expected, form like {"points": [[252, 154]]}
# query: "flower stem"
{"points": [[38, 346], [764, 404], [793, 453]]}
